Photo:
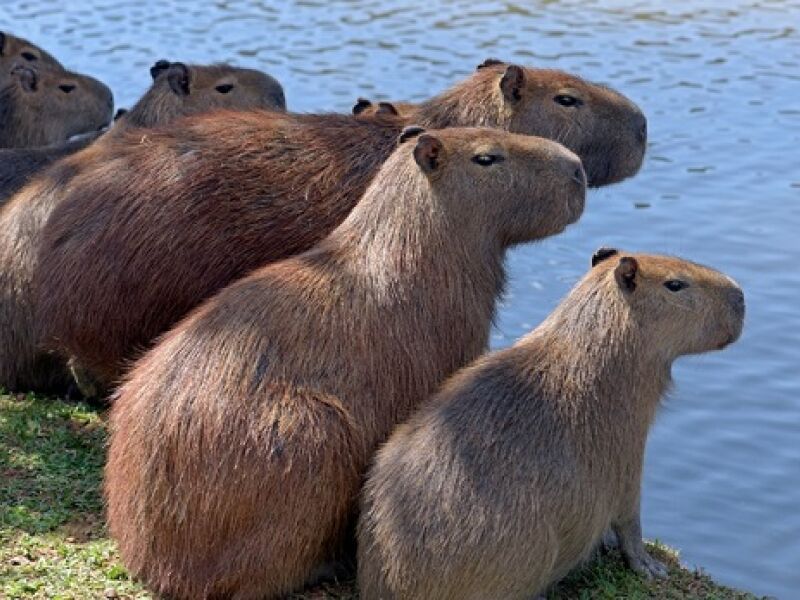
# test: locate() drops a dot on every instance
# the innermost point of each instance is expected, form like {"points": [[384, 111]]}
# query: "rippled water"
{"points": [[720, 83]]}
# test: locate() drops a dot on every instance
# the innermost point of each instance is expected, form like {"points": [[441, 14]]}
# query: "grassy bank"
{"points": [[53, 543]]}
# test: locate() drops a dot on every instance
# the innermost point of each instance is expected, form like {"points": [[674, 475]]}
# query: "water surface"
{"points": [[720, 83]]}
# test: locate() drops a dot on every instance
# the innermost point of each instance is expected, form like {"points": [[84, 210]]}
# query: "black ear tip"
{"points": [[159, 67], [489, 62], [386, 108], [603, 253], [361, 105], [120, 112], [409, 132]]}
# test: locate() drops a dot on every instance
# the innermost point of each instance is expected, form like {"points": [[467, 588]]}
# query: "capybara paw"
{"points": [[647, 566]]}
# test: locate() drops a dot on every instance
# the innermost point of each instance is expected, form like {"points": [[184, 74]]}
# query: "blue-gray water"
{"points": [[720, 83]]}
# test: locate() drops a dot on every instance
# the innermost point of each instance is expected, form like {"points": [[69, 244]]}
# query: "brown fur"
{"points": [[22, 365], [508, 477], [366, 107], [239, 441], [158, 106], [39, 107], [15, 50], [207, 201]]}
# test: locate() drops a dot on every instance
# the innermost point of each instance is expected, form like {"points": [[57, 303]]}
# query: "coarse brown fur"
{"points": [[177, 90], [39, 107], [15, 50], [239, 442], [508, 477], [22, 365], [210, 199]]}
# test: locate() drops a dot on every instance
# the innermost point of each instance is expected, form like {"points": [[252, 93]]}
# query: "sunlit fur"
{"points": [[15, 50], [160, 222], [41, 113], [22, 365], [239, 442], [509, 475]]}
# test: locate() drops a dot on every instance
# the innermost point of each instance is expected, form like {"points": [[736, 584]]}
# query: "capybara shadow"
{"points": [[157, 224], [508, 477], [239, 442]]}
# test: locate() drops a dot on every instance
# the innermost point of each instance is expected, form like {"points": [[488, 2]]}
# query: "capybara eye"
{"points": [[66, 87], [224, 88], [29, 56], [485, 160], [567, 100], [675, 285]]}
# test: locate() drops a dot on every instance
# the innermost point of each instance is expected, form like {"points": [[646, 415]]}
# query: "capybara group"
{"points": [[156, 224], [23, 366], [42, 106], [509, 476], [239, 442]]}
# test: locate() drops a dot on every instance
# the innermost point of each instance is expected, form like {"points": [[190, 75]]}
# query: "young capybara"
{"points": [[39, 107], [23, 366], [15, 50], [158, 224], [508, 476], [239, 442], [177, 90]]}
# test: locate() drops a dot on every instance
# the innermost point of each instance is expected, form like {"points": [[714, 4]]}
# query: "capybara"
{"points": [[364, 106], [156, 225], [510, 474], [15, 50], [39, 107], [22, 365], [177, 90], [239, 442]]}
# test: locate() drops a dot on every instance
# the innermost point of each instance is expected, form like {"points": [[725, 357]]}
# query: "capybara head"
{"points": [[14, 50], [365, 107], [181, 90], [688, 308], [530, 187], [46, 106], [600, 125]]}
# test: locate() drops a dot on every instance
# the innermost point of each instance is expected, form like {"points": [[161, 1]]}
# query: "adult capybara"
{"points": [[239, 442], [509, 476], [15, 50], [43, 106], [177, 90], [157, 224]]}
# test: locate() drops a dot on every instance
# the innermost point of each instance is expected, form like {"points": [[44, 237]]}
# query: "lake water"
{"points": [[720, 83]]}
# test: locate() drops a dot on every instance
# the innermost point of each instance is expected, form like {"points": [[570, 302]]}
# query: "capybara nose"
{"points": [[578, 176], [641, 133], [736, 300]]}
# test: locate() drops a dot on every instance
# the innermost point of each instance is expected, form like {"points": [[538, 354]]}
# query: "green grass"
{"points": [[53, 542]]}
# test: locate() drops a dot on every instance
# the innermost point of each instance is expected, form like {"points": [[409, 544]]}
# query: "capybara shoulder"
{"points": [[15, 50], [508, 477], [39, 107], [274, 393]]}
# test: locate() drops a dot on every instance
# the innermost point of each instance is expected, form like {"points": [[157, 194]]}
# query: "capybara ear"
{"points": [[428, 152], [625, 273], [178, 77], [603, 253], [2, 42], [28, 78], [409, 132], [386, 108], [489, 62], [158, 68], [120, 113], [512, 82], [361, 105]]}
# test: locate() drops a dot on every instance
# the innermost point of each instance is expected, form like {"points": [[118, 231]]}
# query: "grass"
{"points": [[53, 543]]}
